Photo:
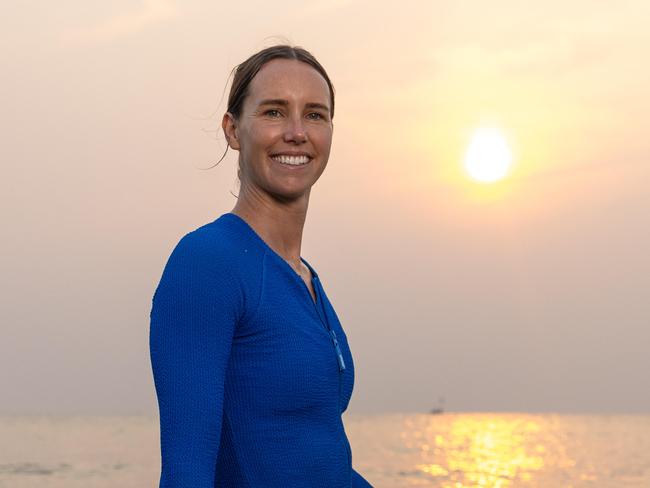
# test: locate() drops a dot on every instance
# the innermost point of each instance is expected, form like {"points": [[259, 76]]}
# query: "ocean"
{"points": [[450, 450]]}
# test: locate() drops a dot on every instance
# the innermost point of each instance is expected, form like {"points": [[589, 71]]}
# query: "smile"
{"points": [[291, 160]]}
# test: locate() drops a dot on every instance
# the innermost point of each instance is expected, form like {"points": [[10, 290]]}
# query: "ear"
{"points": [[229, 126]]}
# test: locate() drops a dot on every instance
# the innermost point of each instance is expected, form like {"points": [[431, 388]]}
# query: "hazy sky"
{"points": [[529, 294]]}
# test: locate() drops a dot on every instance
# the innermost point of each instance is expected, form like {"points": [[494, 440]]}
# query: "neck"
{"points": [[279, 223]]}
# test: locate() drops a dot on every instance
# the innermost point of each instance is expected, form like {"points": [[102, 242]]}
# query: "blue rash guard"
{"points": [[252, 375]]}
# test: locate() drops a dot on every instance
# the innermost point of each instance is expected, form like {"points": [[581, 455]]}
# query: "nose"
{"points": [[295, 130]]}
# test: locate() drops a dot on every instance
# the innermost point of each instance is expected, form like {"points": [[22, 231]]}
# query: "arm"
{"points": [[193, 315], [358, 481]]}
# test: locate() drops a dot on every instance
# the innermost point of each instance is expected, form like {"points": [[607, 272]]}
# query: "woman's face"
{"points": [[284, 132]]}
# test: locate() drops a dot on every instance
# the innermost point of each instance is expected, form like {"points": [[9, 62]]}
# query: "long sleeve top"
{"points": [[251, 373]]}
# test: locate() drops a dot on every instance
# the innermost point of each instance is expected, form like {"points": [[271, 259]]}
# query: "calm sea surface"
{"points": [[391, 451]]}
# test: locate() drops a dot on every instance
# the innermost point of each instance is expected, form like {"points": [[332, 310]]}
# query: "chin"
{"points": [[290, 193]]}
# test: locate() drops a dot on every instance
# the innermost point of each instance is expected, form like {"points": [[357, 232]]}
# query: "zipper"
{"points": [[339, 354], [346, 442], [331, 332]]}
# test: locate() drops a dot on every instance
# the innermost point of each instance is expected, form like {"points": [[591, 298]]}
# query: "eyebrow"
{"points": [[284, 103]]}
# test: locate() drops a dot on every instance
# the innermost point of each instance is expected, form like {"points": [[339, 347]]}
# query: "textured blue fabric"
{"points": [[249, 382]]}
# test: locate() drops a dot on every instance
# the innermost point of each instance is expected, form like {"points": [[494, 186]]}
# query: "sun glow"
{"points": [[488, 157]]}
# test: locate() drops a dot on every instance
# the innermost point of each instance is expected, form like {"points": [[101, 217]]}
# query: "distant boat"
{"points": [[439, 409]]}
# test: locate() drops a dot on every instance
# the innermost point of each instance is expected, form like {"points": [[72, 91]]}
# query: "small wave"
{"points": [[33, 468]]}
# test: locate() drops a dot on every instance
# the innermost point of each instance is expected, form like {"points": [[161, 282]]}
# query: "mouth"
{"points": [[292, 161]]}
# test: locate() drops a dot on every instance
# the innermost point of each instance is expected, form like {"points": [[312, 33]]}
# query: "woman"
{"points": [[251, 366]]}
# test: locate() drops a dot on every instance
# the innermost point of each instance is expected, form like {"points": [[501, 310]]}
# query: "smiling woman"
{"points": [[285, 115], [251, 364]]}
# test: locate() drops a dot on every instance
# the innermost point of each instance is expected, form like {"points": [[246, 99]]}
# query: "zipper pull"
{"points": [[338, 351]]}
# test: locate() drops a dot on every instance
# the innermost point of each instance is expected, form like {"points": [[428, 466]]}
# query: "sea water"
{"points": [[450, 450]]}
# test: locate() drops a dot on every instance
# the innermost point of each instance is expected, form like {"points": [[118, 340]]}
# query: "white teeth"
{"points": [[293, 160]]}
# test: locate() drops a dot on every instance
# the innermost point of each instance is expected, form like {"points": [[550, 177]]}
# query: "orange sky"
{"points": [[529, 294]]}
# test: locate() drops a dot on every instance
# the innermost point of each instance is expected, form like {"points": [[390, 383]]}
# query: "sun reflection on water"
{"points": [[482, 450]]}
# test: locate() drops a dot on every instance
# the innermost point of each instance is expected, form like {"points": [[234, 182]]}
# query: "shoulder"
{"points": [[220, 250], [216, 262], [208, 243], [215, 244], [202, 267]]}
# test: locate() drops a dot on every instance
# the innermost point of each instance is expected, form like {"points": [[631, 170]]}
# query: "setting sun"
{"points": [[488, 157]]}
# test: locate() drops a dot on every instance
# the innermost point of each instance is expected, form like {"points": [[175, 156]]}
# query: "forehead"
{"points": [[289, 79]]}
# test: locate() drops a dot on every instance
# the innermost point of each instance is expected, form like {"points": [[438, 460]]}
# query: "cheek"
{"points": [[261, 134], [322, 138]]}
